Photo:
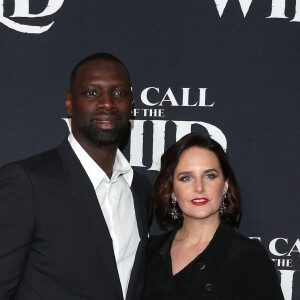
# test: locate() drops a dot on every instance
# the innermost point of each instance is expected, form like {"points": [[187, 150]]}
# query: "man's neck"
{"points": [[105, 158], [103, 155]]}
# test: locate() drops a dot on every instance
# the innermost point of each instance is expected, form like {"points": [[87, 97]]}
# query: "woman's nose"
{"points": [[199, 186]]}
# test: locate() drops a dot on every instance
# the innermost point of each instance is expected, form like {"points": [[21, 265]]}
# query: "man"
{"points": [[74, 220]]}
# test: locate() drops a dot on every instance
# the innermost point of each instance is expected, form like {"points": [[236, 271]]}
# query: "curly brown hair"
{"points": [[163, 186]]}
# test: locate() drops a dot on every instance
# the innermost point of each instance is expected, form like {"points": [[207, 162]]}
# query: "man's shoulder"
{"points": [[141, 182], [38, 163], [138, 176], [45, 157]]}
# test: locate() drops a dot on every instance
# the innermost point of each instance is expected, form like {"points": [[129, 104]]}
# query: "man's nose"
{"points": [[106, 101]]}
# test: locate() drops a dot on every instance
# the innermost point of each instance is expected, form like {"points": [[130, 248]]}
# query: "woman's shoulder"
{"points": [[247, 247], [254, 266], [156, 241], [161, 243]]}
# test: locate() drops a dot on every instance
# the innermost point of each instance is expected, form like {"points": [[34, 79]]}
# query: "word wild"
{"points": [[22, 11]]}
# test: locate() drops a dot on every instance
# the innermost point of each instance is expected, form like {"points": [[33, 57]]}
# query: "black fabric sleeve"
{"points": [[16, 227], [259, 275]]}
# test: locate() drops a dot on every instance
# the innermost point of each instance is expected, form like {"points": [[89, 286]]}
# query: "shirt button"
{"points": [[201, 265], [209, 287]]}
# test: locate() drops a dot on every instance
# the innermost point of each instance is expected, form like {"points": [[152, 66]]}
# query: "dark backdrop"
{"points": [[227, 68]]}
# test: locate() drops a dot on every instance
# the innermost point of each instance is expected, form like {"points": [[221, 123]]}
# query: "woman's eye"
{"points": [[210, 176], [185, 178]]}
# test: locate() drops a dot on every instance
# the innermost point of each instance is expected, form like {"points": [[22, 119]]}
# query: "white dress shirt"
{"points": [[116, 202]]}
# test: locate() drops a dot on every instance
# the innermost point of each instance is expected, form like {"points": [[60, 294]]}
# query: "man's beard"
{"points": [[103, 137]]}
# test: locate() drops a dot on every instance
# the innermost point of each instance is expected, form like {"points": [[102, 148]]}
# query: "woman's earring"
{"points": [[174, 210], [223, 205]]}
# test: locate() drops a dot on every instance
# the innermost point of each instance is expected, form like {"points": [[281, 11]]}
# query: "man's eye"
{"points": [[119, 93], [210, 176], [185, 178], [91, 93]]}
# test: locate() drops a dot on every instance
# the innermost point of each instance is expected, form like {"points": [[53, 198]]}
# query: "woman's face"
{"points": [[198, 184]]}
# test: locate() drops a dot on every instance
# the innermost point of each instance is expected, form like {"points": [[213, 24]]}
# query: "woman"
{"points": [[203, 257]]}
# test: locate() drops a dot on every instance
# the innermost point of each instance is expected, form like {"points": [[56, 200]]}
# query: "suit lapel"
{"points": [[84, 195], [140, 209], [141, 212]]}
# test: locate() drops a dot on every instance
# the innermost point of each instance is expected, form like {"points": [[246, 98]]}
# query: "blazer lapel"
{"points": [[140, 209], [141, 212], [84, 194]]}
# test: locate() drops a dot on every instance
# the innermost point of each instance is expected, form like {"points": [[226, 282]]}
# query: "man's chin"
{"points": [[104, 137]]}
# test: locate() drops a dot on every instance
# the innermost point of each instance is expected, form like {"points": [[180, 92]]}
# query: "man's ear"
{"points": [[68, 103]]}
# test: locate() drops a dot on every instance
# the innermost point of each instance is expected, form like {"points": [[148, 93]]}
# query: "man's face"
{"points": [[99, 102]]}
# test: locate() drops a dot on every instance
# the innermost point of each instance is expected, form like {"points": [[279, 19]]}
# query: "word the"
{"points": [[148, 112]]}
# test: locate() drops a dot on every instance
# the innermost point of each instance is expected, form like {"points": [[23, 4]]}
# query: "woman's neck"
{"points": [[198, 231]]}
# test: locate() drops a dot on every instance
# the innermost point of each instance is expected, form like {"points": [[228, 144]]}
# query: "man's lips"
{"points": [[106, 122], [199, 201]]}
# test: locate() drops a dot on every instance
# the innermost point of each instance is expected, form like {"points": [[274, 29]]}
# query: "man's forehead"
{"points": [[102, 64], [102, 68]]}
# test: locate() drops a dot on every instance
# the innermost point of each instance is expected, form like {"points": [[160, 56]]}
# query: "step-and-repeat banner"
{"points": [[228, 68]]}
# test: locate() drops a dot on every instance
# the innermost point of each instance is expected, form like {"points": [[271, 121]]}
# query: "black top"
{"points": [[232, 267]]}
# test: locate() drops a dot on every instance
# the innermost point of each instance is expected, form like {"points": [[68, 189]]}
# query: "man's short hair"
{"points": [[95, 56]]}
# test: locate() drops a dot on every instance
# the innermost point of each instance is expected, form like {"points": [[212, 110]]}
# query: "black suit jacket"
{"points": [[54, 242], [232, 267]]}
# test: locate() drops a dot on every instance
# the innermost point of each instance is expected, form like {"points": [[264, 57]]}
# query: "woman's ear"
{"points": [[173, 196], [226, 186]]}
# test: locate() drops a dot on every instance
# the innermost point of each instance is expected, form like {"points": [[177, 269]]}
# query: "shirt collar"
{"points": [[93, 170], [166, 247]]}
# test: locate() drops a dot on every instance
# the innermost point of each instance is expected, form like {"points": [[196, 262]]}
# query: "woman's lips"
{"points": [[199, 201]]}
